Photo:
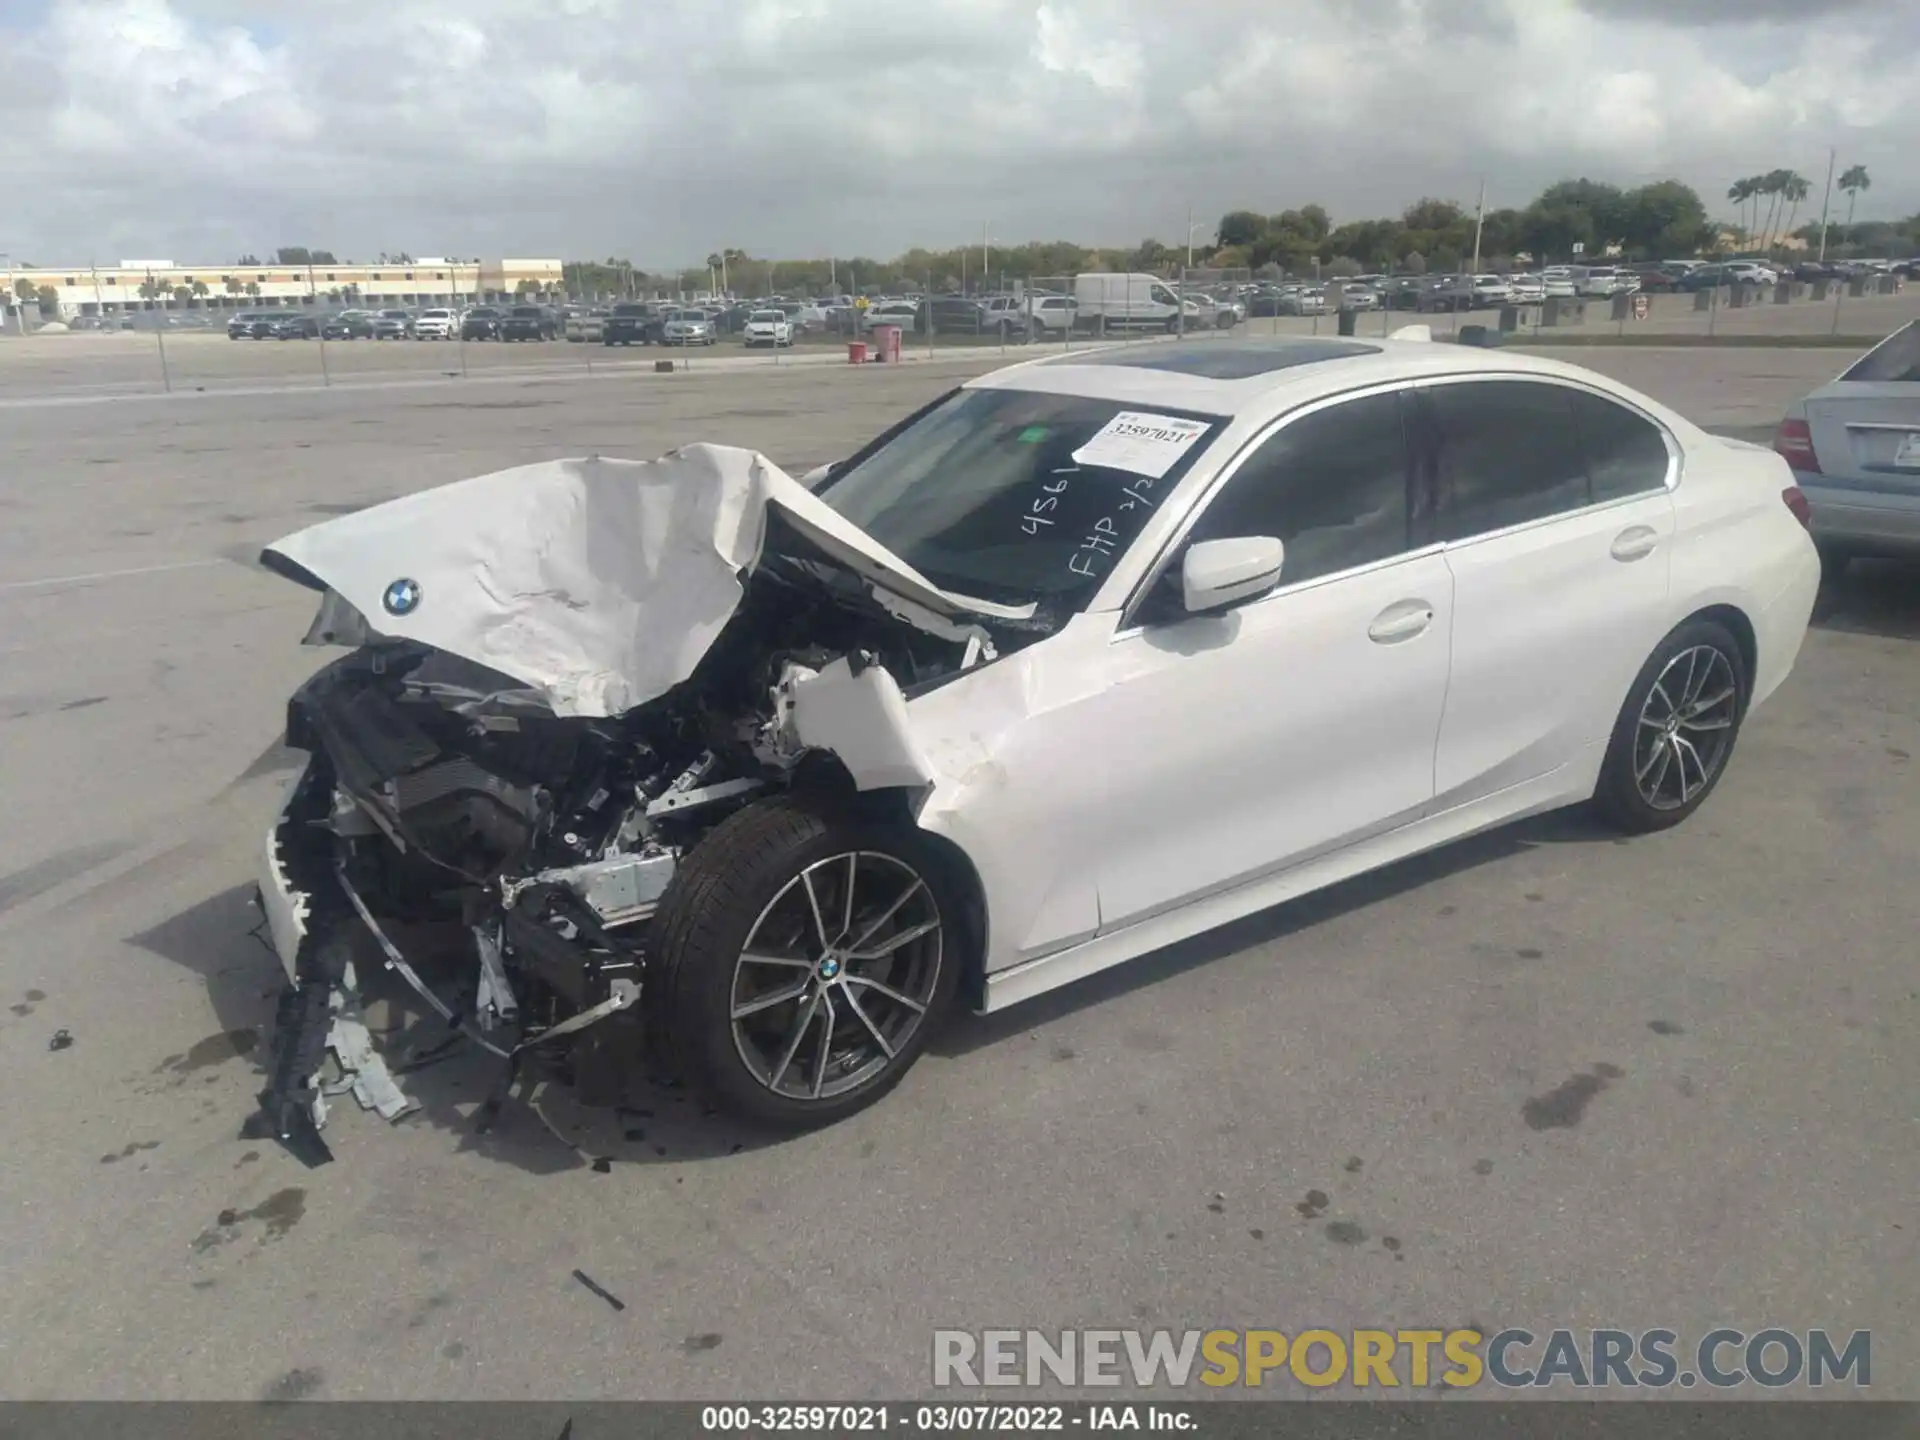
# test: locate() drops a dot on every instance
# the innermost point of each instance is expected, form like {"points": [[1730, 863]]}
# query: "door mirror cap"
{"points": [[1219, 573]]}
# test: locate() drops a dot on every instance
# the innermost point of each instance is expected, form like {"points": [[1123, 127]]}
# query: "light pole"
{"points": [[1192, 225]]}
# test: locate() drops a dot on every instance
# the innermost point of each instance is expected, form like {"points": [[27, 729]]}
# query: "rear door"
{"points": [[1554, 505]]}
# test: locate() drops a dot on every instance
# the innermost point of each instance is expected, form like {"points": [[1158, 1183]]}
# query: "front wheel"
{"points": [[805, 959], [1676, 731]]}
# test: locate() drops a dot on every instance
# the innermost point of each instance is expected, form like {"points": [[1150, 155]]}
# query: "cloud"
{"points": [[662, 129]]}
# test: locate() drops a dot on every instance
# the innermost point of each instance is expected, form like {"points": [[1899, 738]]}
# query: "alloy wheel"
{"points": [[1685, 728], [836, 976]]}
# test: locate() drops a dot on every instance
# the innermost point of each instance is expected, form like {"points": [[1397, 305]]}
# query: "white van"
{"points": [[1121, 301]]}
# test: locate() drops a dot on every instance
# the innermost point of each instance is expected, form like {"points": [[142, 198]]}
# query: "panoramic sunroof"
{"points": [[1228, 359]]}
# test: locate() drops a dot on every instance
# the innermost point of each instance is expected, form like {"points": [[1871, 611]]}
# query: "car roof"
{"points": [[1236, 377]]}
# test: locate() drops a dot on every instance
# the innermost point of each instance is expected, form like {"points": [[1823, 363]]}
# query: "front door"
{"points": [[1242, 742]]}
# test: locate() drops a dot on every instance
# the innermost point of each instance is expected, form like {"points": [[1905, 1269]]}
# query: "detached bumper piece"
{"points": [[315, 915], [310, 915]]}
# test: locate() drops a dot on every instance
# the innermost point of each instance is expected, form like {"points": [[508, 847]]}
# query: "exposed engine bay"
{"points": [[443, 796]]}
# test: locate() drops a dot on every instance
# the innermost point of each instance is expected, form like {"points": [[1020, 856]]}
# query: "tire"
{"points": [[746, 883], [1647, 782]]}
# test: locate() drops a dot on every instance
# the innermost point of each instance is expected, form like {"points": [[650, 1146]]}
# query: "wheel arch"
{"points": [[1740, 627], [823, 777]]}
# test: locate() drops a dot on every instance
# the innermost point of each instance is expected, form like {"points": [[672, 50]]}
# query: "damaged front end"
{"points": [[504, 849]]}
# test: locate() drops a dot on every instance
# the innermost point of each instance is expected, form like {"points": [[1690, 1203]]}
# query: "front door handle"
{"points": [[1636, 542], [1401, 620]]}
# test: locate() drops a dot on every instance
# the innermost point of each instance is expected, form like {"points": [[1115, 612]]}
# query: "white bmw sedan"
{"points": [[1089, 655]]}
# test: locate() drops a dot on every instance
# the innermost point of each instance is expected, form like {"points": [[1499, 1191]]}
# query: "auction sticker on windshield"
{"points": [[1140, 443]]}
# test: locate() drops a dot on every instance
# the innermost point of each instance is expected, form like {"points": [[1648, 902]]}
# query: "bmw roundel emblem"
{"points": [[402, 597]]}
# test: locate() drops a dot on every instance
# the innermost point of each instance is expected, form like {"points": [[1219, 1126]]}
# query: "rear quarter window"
{"points": [[1894, 360], [1626, 453]]}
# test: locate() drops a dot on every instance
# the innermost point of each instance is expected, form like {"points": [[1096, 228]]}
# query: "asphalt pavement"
{"points": [[1546, 1078]]}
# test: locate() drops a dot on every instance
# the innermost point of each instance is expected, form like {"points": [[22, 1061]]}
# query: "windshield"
{"points": [[769, 317], [526, 312], [983, 495]]}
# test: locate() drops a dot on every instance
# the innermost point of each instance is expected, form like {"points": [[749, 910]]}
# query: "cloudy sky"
{"points": [[658, 130]]}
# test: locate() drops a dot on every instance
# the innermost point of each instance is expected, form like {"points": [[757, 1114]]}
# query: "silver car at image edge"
{"points": [[1854, 445], [755, 780]]}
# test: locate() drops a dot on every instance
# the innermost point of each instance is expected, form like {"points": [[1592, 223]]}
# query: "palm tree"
{"points": [[1740, 193], [1853, 180], [1796, 189]]}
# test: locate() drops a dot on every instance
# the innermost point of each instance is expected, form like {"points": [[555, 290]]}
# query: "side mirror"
{"points": [[1218, 573]]}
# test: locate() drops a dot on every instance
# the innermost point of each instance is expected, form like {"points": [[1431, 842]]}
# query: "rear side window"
{"points": [[1509, 453], [1332, 486], [1625, 453], [1893, 360]]}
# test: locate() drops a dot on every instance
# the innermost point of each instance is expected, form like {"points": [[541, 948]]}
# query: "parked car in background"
{"points": [[1051, 316], [904, 313], [1656, 279], [771, 328], [528, 322], [392, 324], [689, 327], [482, 322], [1403, 292], [1752, 272], [437, 324], [247, 325], [348, 325], [1854, 445], [586, 325], [1303, 300], [298, 326], [1490, 291], [1351, 295], [1560, 282], [1448, 293], [1601, 281], [1527, 289], [1004, 315], [632, 322]]}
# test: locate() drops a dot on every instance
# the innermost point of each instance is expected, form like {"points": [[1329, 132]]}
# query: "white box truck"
{"points": [[1120, 301]]}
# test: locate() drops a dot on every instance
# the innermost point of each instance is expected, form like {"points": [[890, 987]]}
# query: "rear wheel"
{"points": [[1676, 732], [804, 960]]}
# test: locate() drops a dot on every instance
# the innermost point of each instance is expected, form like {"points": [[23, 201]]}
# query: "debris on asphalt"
{"points": [[607, 1295], [62, 1040]]}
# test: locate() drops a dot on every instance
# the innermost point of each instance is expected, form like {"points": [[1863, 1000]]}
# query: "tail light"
{"points": [[1797, 502], [1794, 440]]}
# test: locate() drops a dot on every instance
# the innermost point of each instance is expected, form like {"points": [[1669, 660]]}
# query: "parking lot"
{"points": [[1544, 1078], [106, 363]]}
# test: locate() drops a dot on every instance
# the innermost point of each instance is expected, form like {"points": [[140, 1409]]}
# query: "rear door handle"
{"points": [[1636, 542], [1401, 620]]}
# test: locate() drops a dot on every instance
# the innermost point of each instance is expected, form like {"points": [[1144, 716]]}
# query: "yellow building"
{"points": [[165, 285]]}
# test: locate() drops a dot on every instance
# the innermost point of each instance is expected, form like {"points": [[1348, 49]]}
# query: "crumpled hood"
{"points": [[600, 583]]}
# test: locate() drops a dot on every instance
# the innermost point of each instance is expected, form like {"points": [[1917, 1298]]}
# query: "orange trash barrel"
{"points": [[856, 352]]}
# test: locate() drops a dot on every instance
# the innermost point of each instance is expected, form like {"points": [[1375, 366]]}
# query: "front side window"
{"points": [[983, 494], [1509, 453], [1331, 486]]}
